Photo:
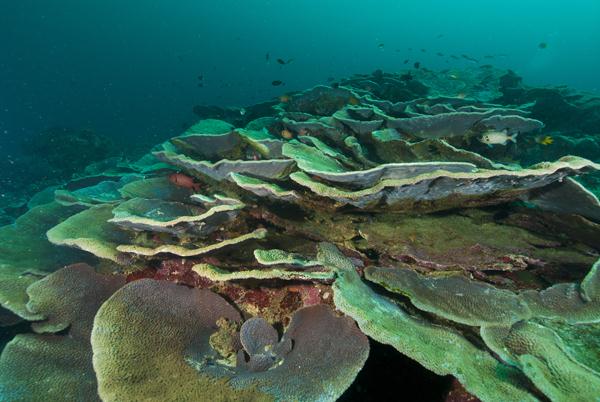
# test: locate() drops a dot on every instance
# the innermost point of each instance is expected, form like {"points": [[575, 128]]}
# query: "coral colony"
{"points": [[253, 262]]}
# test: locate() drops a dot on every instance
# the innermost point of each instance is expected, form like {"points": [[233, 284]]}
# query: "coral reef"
{"points": [[47, 158], [251, 258], [67, 151], [66, 300]]}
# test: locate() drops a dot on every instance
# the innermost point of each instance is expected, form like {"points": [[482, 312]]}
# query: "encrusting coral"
{"points": [[252, 259], [175, 361], [50, 365]]}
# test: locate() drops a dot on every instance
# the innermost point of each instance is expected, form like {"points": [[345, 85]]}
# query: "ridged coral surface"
{"points": [[253, 261]]}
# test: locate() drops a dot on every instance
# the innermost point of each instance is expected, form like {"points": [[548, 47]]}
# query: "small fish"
{"points": [[267, 57], [469, 58], [406, 61], [329, 79], [184, 181], [453, 76], [544, 140], [200, 77], [243, 111], [423, 50], [277, 83], [284, 98], [440, 54], [454, 57], [497, 137], [417, 64], [543, 45], [287, 134], [381, 45], [283, 62], [439, 36]]}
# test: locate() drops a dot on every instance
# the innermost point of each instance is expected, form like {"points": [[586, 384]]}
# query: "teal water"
{"points": [[129, 69], [87, 87]]}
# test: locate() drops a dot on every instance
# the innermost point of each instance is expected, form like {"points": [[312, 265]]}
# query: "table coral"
{"points": [[365, 209]]}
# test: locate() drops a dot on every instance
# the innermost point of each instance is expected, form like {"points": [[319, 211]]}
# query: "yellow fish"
{"points": [[547, 140], [287, 134]]}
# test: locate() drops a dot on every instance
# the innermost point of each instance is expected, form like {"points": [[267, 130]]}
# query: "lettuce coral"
{"points": [[252, 261]]}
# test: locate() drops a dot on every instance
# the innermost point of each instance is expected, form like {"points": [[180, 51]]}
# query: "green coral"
{"points": [[312, 159], [453, 297], [544, 358], [482, 277], [268, 169], [554, 354], [26, 254], [190, 252], [180, 364], [263, 188], [215, 274], [174, 319], [575, 303], [442, 350], [158, 188], [51, 366], [281, 257], [167, 216], [91, 231]]}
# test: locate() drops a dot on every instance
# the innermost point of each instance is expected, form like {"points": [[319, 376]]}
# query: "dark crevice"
{"points": [[8, 333], [390, 376]]}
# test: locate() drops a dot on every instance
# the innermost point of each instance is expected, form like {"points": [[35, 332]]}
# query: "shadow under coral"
{"points": [[387, 366]]}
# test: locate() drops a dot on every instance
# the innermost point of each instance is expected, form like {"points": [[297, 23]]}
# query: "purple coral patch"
{"points": [[256, 335]]}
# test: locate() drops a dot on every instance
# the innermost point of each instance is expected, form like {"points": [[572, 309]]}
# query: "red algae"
{"points": [[458, 393], [146, 273], [179, 270]]}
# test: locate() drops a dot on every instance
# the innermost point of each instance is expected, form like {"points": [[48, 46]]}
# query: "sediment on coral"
{"points": [[253, 252]]}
